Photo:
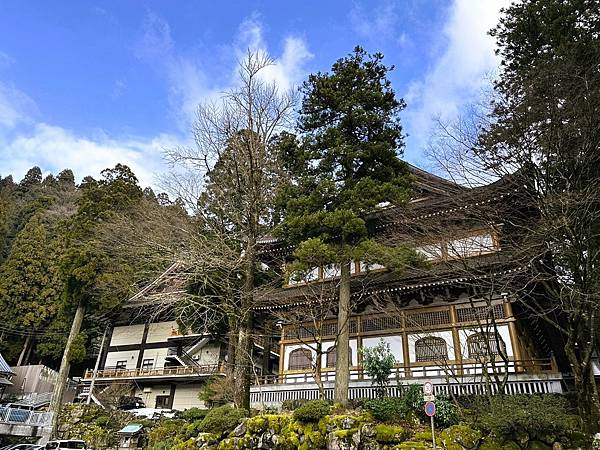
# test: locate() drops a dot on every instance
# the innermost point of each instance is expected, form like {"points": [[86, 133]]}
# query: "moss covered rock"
{"points": [[391, 433], [538, 445], [494, 444], [459, 437], [411, 445]]}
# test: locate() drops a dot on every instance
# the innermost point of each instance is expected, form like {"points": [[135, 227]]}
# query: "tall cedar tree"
{"points": [[546, 125], [30, 285], [84, 265], [344, 169]]}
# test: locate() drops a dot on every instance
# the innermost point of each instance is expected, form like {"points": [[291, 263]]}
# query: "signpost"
{"points": [[430, 406]]}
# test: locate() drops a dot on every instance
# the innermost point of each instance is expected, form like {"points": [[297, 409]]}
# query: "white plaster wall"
{"points": [[209, 354], [127, 335], [445, 335], [395, 342], [160, 331], [186, 396], [149, 398], [158, 355], [129, 356], [502, 330]]}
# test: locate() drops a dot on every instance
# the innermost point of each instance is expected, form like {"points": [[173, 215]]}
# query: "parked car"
{"points": [[66, 444]]}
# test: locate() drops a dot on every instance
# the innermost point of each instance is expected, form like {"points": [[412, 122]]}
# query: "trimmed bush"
{"points": [[194, 414], [540, 417], [222, 419], [386, 409], [312, 411]]}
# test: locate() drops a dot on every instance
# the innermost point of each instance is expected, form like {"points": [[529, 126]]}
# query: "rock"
{"points": [[348, 423], [240, 430], [411, 445], [596, 442], [557, 446], [368, 430], [391, 434], [522, 438], [459, 437]]}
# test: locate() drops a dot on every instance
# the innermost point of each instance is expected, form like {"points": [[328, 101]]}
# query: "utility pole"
{"points": [[89, 397]]}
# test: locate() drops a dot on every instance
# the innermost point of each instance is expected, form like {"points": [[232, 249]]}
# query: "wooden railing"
{"points": [[424, 370], [274, 395], [159, 372]]}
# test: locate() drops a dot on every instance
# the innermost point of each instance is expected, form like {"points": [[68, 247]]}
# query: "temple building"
{"points": [[456, 319]]}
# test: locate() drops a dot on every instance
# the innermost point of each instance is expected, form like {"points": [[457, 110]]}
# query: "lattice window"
{"points": [[300, 359], [330, 329], [381, 323], [480, 313], [471, 246], [332, 356], [431, 348], [481, 345], [428, 318]]}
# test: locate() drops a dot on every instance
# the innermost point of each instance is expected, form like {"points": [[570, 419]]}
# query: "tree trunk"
{"points": [[231, 345], [588, 400], [342, 365], [26, 345], [63, 372], [243, 357]]}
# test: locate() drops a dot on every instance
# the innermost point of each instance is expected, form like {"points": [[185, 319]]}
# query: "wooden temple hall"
{"points": [[456, 319]]}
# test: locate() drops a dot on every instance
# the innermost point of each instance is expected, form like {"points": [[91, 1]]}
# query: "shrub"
{"points": [[446, 412], [540, 416], [222, 419], [102, 421], [312, 411], [194, 414], [292, 405], [386, 409], [378, 362]]}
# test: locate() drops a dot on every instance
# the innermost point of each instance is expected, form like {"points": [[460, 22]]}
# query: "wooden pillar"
{"points": [[359, 346], [405, 349], [281, 353], [514, 335], [456, 340]]}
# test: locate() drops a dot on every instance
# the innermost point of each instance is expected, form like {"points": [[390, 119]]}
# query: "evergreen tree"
{"points": [[345, 168], [544, 132], [30, 286]]}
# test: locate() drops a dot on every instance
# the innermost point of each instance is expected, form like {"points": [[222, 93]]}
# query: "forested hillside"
{"points": [[62, 243]]}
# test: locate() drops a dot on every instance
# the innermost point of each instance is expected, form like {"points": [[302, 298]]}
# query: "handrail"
{"points": [[528, 366], [24, 417], [164, 371]]}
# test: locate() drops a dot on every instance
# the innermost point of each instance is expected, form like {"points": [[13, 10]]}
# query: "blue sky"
{"points": [[88, 84]]}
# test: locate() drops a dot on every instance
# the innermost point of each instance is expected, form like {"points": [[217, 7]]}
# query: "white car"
{"points": [[70, 444]]}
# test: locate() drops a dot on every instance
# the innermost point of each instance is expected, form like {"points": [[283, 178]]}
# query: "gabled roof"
{"points": [[168, 287], [4, 367]]}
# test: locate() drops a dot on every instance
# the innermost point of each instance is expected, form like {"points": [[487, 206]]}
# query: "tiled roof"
{"points": [[4, 367]]}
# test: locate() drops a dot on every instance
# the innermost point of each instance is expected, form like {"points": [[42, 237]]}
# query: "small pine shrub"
{"points": [[102, 421], [194, 414], [539, 415], [312, 411], [391, 409], [222, 419]]}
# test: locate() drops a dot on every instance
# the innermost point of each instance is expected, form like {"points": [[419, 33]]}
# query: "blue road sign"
{"points": [[430, 409]]}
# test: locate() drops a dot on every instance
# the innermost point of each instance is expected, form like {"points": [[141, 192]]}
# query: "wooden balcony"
{"points": [[448, 369], [518, 377], [158, 373]]}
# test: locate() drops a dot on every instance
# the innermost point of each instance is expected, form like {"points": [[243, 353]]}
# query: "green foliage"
{"points": [[291, 405], [447, 413], [312, 411], [537, 415], [222, 419], [217, 390], [389, 409], [102, 421], [193, 414], [344, 163], [378, 363]]}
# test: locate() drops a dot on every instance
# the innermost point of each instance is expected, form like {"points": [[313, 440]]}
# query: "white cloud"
{"points": [[459, 74], [25, 140], [378, 22], [188, 77], [15, 106], [54, 148]]}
